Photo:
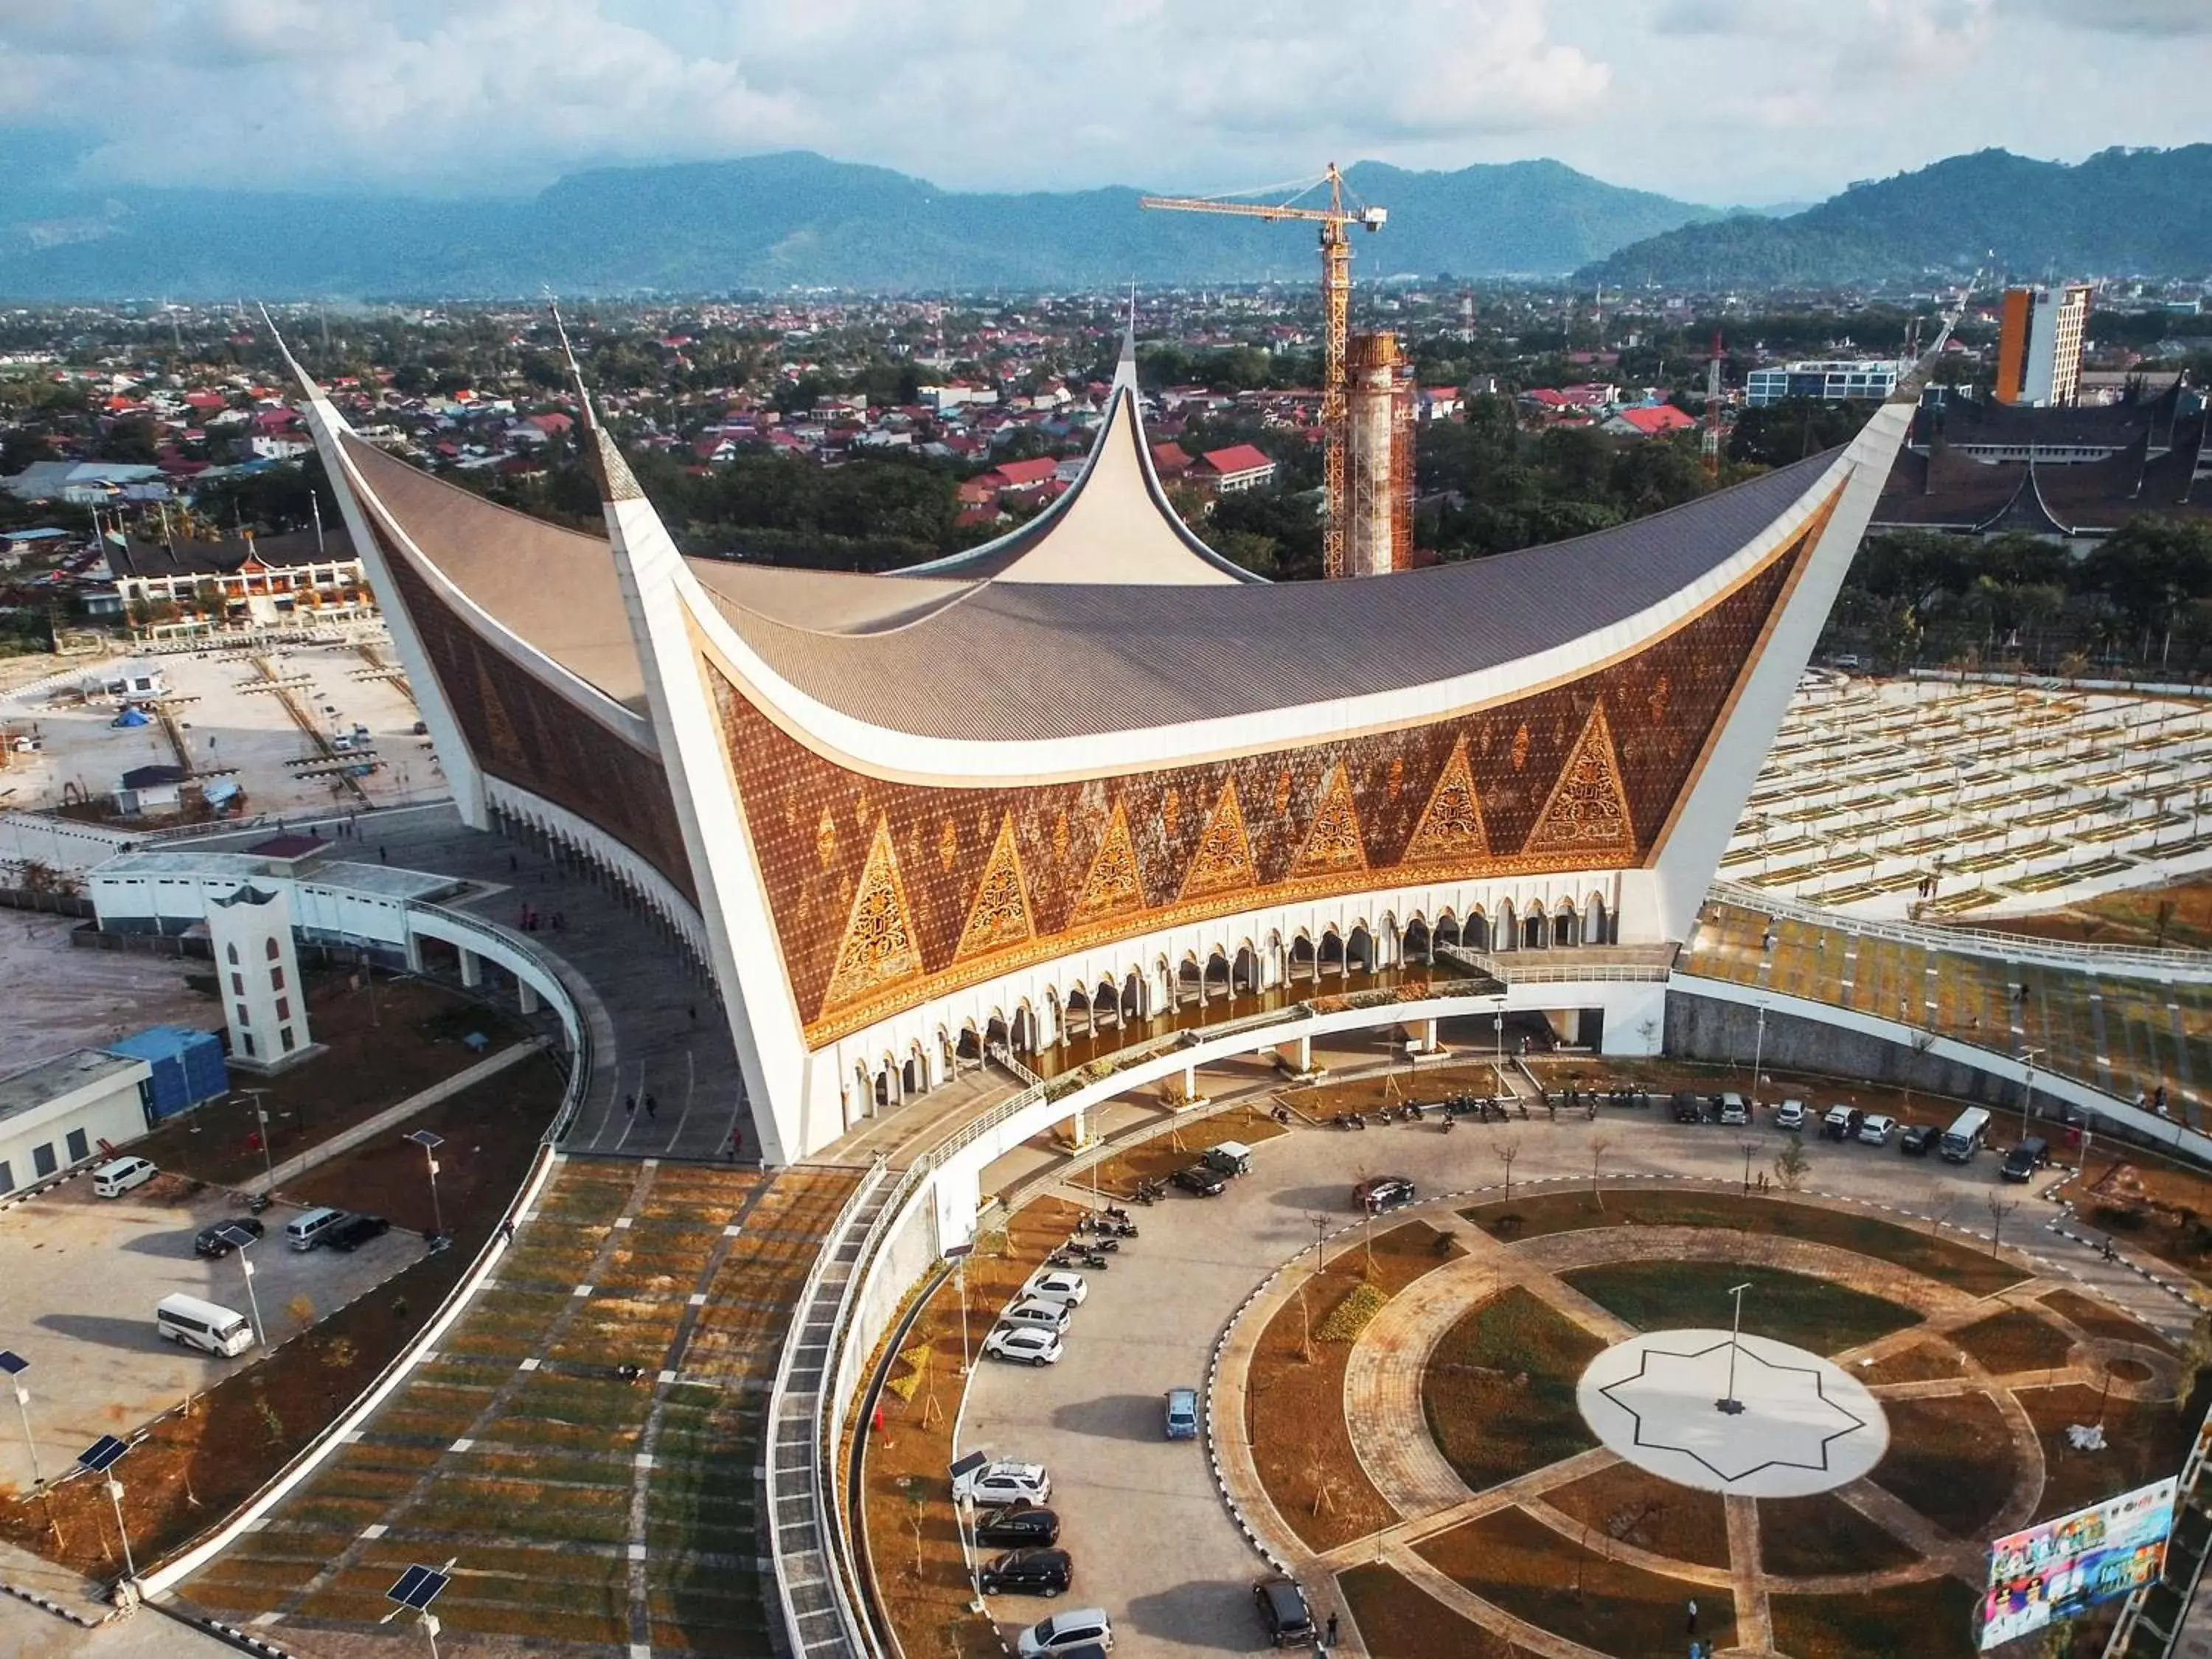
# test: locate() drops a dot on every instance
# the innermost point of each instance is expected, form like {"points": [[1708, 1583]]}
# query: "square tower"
{"points": [[264, 1001]]}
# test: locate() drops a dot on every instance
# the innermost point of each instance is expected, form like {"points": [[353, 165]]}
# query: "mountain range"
{"points": [[2137, 211], [774, 222], [801, 219]]}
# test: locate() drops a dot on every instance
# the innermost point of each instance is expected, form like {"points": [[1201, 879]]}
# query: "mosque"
{"points": [[1092, 771]]}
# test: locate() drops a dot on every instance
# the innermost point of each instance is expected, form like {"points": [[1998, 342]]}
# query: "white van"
{"points": [[118, 1175], [306, 1230], [202, 1325]]}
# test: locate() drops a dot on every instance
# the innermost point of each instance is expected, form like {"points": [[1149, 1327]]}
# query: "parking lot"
{"points": [[79, 1278], [1152, 1541]]}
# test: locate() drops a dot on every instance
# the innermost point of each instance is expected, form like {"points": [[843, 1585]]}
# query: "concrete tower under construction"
{"points": [[1379, 535]]}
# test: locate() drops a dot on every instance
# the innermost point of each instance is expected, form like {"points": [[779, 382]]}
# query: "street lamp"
{"points": [[417, 1587], [261, 1116], [1497, 1024], [429, 1143], [963, 1496], [238, 1239], [2027, 1093], [1757, 1053], [13, 1365], [958, 1256], [1729, 1403], [99, 1458]]}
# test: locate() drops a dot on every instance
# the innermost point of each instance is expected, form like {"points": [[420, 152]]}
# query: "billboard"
{"points": [[2064, 1567]]}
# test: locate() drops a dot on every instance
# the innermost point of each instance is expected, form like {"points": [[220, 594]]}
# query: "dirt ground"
{"points": [[60, 998], [1633, 1506], [1301, 1447], [1399, 1620], [920, 1575], [411, 1038], [2165, 1211], [1951, 1459], [1162, 1155]]}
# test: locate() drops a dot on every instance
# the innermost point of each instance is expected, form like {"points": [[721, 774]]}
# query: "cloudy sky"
{"points": [[1715, 100]]}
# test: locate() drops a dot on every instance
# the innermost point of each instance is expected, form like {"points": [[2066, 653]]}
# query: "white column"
{"points": [[471, 970]]}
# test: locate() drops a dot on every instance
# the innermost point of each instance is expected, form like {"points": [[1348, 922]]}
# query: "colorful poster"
{"points": [[2066, 1566]]}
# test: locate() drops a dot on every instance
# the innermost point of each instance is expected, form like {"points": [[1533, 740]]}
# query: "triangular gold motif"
{"points": [[1451, 823], [1331, 841], [1114, 886], [1588, 811], [878, 947], [1000, 914], [1223, 858]]}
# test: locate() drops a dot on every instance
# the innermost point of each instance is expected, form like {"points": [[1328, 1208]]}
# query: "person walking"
{"points": [[1691, 1606], [1331, 1630], [629, 1105], [652, 1109]]}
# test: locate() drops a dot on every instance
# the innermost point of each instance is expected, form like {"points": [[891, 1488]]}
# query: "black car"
{"points": [[211, 1240], [1917, 1141], [1688, 1108], [1283, 1613], [1019, 1525], [1201, 1179], [357, 1231], [1382, 1193], [1027, 1572], [2022, 1162]]}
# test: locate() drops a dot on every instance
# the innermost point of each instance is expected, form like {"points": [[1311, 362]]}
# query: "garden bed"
{"points": [[1632, 1506], [1949, 1458], [2014, 1341], [1300, 1444], [1490, 1424], [1398, 1619], [2099, 1319], [1814, 1314], [2144, 1441], [1808, 1537], [1516, 1563], [1973, 1271], [1931, 1619]]}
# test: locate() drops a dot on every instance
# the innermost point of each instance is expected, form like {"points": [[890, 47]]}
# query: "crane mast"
{"points": [[1336, 318]]}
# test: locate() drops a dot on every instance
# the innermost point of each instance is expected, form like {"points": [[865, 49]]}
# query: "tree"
{"points": [[1790, 1164], [1999, 1208], [1599, 1147], [1507, 1149]]}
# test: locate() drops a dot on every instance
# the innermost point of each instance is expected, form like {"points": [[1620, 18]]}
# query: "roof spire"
{"points": [[603, 458], [1124, 366]]}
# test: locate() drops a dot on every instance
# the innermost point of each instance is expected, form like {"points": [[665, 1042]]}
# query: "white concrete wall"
{"points": [[264, 1003], [110, 1109]]}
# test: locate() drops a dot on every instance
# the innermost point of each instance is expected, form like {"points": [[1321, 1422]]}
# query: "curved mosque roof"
{"points": [[1069, 614]]}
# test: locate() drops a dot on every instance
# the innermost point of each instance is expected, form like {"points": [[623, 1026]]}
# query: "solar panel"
{"points": [[12, 1363], [99, 1456], [417, 1587]]}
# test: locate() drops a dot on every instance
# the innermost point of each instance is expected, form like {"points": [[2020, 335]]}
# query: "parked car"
{"points": [[1036, 1311], [357, 1231], [1025, 1344], [1917, 1140], [1182, 1414], [1734, 1111], [214, 1238], [1065, 1633], [1027, 1572], [1382, 1193], [1056, 1285], [1841, 1122], [1201, 1179], [1230, 1158], [1688, 1108], [2022, 1162], [1790, 1115], [1021, 1524], [1006, 1481], [1875, 1129], [1283, 1613], [118, 1175]]}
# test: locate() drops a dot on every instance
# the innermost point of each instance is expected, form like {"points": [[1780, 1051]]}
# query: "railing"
{"points": [[2125, 960]]}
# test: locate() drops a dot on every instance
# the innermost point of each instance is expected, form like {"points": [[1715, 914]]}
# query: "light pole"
{"points": [[261, 1117], [429, 1143], [1729, 1403], [13, 1365], [98, 1459], [959, 1253], [238, 1239], [1497, 1024], [1758, 1053], [2027, 1093], [417, 1587]]}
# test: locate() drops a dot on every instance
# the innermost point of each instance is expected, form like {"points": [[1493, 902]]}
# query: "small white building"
{"points": [[67, 1111], [265, 1004]]}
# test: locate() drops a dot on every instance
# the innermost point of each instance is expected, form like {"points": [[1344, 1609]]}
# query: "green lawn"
{"points": [[1490, 1424], [1816, 1314]]}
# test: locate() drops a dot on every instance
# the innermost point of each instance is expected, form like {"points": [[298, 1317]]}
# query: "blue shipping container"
{"points": [[188, 1067]]}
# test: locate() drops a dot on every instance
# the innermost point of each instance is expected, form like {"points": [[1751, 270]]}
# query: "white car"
{"points": [[1790, 1114], [1077, 1630], [1875, 1130], [1006, 1482], [1054, 1285], [1025, 1345]]}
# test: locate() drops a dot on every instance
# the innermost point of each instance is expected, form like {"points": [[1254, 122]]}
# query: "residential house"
{"points": [[1226, 471]]}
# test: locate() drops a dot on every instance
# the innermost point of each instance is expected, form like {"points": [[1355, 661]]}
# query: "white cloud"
{"points": [[1719, 100]]}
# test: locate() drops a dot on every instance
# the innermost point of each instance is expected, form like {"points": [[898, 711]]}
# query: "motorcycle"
{"points": [[1124, 1230], [1449, 1125], [1117, 1213]]}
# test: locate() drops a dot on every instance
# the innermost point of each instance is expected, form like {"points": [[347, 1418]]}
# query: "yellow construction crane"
{"points": [[1336, 308]]}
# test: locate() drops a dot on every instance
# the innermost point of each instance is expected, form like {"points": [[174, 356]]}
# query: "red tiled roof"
{"points": [[1237, 458], [1012, 474], [1660, 417]]}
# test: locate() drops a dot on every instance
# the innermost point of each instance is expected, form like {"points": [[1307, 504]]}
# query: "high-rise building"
{"points": [[2039, 345]]}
